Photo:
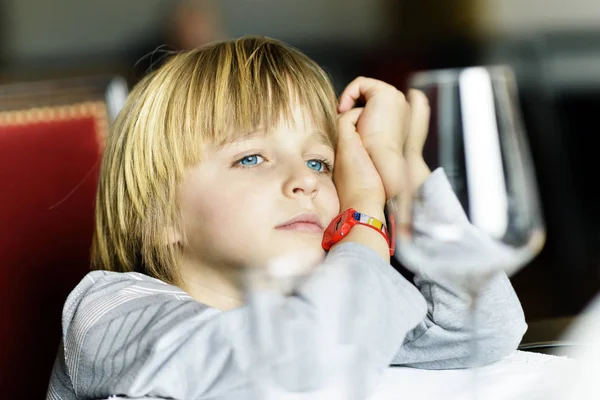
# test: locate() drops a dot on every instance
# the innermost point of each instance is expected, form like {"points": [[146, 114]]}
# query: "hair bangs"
{"points": [[256, 84]]}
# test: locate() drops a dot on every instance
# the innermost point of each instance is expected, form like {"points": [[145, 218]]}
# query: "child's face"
{"points": [[236, 204]]}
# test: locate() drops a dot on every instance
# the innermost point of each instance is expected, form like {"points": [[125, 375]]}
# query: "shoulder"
{"points": [[97, 284], [102, 292]]}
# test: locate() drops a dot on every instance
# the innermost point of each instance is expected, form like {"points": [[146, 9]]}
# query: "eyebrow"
{"points": [[318, 135], [241, 138], [322, 138]]}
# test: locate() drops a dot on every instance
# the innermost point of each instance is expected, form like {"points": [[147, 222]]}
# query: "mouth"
{"points": [[309, 223]]}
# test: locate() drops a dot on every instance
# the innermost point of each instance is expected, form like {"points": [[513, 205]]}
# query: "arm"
{"points": [[393, 135], [134, 336], [443, 338]]}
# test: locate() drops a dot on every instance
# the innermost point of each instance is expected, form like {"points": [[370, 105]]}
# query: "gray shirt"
{"points": [[133, 336]]}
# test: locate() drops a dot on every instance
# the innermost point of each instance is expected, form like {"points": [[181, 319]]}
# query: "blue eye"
{"points": [[318, 165], [251, 160]]}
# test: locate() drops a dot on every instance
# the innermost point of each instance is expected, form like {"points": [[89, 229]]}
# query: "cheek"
{"points": [[330, 201], [203, 207], [225, 212], [210, 210]]}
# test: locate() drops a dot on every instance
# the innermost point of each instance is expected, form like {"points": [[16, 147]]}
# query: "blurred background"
{"points": [[553, 46]]}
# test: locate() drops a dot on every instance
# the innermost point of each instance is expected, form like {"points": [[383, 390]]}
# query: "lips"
{"points": [[306, 222]]}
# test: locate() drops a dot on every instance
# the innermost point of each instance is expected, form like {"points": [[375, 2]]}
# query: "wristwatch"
{"points": [[343, 223]]}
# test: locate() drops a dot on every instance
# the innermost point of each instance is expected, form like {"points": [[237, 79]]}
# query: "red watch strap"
{"points": [[379, 226], [337, 230]]}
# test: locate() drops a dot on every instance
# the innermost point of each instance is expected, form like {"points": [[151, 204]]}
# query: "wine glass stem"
{"points": [[473, 339]]}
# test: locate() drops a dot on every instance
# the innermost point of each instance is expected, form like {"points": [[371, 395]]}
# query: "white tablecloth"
{"points": [[521, 375]]}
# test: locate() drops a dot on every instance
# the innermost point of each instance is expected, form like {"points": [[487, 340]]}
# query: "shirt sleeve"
{"points": [[444, 339], [132, 336]]}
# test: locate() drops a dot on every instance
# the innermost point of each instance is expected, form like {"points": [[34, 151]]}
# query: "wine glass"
{"points": [[304, 343], [476, 135]]}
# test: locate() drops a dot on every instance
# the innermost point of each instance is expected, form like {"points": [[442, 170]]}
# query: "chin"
{"points": [[310, 245], [304, 249]]}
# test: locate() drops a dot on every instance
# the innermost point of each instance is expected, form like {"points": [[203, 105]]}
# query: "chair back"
{"points": [[51, 139]]}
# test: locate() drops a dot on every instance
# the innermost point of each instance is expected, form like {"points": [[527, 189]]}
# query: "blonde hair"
{"points": [[209, 94]]}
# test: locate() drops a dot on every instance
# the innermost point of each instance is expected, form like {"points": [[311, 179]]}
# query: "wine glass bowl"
{"points": [[476, 136]]}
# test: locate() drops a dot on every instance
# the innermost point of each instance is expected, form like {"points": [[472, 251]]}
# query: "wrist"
{"points": [[419, 171], [371, 208], [367, 235]]}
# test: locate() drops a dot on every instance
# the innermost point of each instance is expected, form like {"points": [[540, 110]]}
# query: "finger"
{"points": [[347, 122], [360, 87], [419, 122]]}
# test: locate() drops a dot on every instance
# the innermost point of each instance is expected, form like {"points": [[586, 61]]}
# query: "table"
{"points": [[520, 375]]}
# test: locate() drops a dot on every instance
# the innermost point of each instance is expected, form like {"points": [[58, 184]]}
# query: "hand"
{"points": [[358, 183], [393, 131], [356, 179]]}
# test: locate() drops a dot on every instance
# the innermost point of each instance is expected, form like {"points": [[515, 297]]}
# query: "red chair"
{"points": [[51, 138]]}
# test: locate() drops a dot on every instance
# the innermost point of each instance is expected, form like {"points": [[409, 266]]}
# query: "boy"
{"points": [[220, 160]]}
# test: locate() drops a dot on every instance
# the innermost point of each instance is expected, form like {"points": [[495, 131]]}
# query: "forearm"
{"points": [[444, 338], [378, 306]]}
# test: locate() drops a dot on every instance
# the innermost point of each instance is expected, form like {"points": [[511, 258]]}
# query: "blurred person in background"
{"points": [[187, 24]]}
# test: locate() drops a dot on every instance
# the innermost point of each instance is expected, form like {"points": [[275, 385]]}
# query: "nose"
{"points": [[300, 180]]}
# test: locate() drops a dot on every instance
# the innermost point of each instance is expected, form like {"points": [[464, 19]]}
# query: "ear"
{"points": [[171, 236]]}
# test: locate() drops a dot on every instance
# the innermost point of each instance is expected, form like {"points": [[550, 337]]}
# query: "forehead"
{"points": [[299, 119], [302, 119], [316, 136]]}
